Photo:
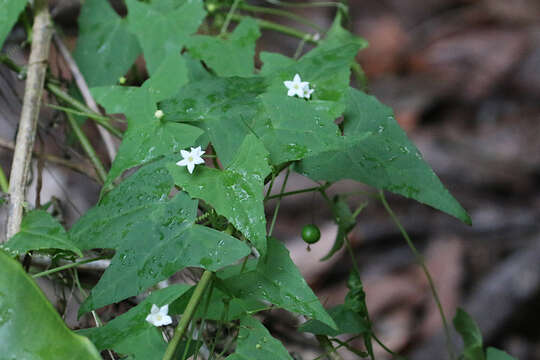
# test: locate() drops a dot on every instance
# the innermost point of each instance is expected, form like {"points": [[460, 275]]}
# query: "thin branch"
{"points": [[56, 160], [88, 148], [68, 266], [37, 68], [87, 96]]}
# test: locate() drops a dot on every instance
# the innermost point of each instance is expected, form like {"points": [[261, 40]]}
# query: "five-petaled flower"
{"points": [[158, 114], [158, 315], [298, 87], [191, 158]]}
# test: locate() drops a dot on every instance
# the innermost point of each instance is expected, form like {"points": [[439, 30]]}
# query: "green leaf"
{"points": [[30, 328], [147, 137], [222, 306], [345, 221], [105, 49], [496, 354], [130, 333], [347, 321], [276, 279], [9, 13], [255, 342], [326, 68], [239, 49], [220, 106], [229, 109], [40, 231], [154, 237], [386, 159], [163, 26], [292, 128], [236, 192], [470, 333]]}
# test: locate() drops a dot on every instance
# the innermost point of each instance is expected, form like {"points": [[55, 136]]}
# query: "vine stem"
{"points": [[276, 210], [282, 195], [87, 146], [265, 24], [203, 283], [420, 261], [331, 353], [37, 69], [68, 266], [279, 12]]}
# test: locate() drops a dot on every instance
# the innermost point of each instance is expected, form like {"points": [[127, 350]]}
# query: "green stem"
{"points": [[102, 120], [282, 195], [205, 280], [420, 261], [229, 17], [278, 12], [310, 4], [279, 202], [87, 146], [269, 25], [4, 184], [331, 353], [67, 266]]}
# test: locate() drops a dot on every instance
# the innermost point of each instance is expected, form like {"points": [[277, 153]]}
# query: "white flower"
{"points": [[307, 92], [158, 114], [296, 87], [191, 158], [158, 315]]}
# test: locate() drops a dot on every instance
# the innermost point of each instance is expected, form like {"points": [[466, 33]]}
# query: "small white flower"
{"points": [[158, 114], [296, 86], [307, 92], [191, 158], [158, 315], [316, 37]]}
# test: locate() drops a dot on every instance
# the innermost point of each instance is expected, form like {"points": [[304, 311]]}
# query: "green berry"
{"points": [[311, 234]]}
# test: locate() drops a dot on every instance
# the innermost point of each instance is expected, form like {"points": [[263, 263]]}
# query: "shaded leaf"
{"points": [[163, 27], [385, 159], [496, 354], [347, 321], [30, 328], [221, 306], [255, 342], [153, 236], [236, 192], [276, 279], [470, 333], [40, 231], [239, 48], [345, 221], [130, 333], [105, 49], [9, 13]]}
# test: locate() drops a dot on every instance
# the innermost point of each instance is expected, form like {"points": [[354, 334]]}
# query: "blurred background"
{"points": [[463, 77]]}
